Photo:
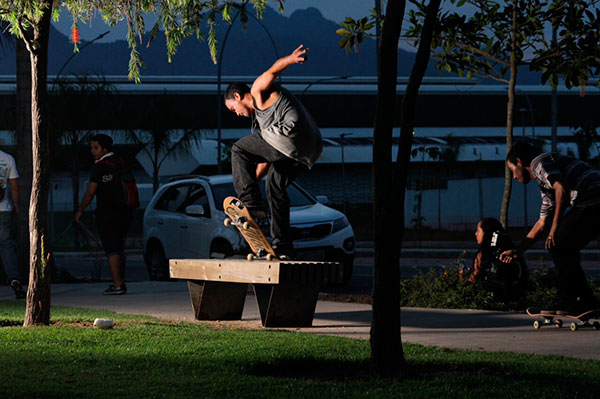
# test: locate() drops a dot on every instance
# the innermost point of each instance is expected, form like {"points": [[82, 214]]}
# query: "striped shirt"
{"points": [[580, 179]]}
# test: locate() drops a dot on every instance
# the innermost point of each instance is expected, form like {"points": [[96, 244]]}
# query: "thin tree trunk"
{"points": [[509, 118], [38, 295], [23, 159], [75, 184], [386, 345], [387, 355]]}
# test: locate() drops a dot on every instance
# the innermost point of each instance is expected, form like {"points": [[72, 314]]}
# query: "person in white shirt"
{"points": [[9, 206]]}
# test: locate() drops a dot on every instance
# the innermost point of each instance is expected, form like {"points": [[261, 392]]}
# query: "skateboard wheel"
{"points": [[574, 326], [558, 323], [245, 225], [270, 257], [250, 257], [227, 222], [596, 325], [537, 325]]}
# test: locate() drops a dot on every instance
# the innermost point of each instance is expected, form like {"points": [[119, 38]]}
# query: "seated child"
{"points": [[506, 280]]}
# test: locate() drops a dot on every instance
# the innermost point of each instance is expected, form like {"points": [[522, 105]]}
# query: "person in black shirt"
{"points": [[113, 215], [508, 281]]}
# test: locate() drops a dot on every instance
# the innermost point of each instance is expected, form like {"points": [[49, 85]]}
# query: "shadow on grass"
{"points": [[331, 370], [11, 323], [313, 369], [470, 375]]}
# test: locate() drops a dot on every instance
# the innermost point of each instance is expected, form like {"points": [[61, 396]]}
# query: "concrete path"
{"points": [[459, 329]]}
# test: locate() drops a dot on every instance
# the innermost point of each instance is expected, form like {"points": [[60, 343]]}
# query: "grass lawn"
{"points": [[143, 357]]}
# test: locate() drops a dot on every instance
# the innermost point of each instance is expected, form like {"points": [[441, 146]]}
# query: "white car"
{"points": [[184, 220]]}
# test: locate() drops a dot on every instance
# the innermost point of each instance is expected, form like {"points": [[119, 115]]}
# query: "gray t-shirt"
{"points": [[8, 170], [290, 129], [580, 179]]}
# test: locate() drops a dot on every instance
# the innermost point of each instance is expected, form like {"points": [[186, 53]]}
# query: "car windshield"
{"points": [[297, 197]]}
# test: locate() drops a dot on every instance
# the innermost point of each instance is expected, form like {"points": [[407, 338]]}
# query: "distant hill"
{"points": [[246, 53]]}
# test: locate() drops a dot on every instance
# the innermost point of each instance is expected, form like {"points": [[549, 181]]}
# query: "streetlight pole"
{"points": [[526, 215], [342, 137], [377, 32], [554, 106]]}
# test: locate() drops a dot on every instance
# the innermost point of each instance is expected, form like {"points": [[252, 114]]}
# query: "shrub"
{"points": [[446, 288]]}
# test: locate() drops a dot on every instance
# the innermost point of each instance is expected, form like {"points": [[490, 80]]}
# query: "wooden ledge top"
{"points": [[256, 272]]}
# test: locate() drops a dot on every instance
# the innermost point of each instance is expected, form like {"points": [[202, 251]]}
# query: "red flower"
{"points": [[75, 34]]}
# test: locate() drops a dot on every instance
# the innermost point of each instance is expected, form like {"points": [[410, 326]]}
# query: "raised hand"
{"points": [[299, 56]]}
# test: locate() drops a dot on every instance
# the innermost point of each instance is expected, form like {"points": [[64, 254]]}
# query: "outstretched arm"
{"points": [[263, 83], [528, 241], [87, 198]]}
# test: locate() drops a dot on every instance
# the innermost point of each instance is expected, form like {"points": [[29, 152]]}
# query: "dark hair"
{"points": [[105, 141], [489, 226], [524, 151], [240, 88]]}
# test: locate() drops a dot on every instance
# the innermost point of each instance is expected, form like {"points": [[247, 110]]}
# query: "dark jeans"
{"points": [[578, 226], [246, 154], [8, 251]]}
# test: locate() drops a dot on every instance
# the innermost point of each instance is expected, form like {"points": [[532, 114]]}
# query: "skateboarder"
{"points": [[570, 213], [285, 142]]}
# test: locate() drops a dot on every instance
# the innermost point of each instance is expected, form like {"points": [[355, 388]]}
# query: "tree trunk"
{"points": [[24, 160], [38, 295], [509, 118], [387, 355], [75, 184]]}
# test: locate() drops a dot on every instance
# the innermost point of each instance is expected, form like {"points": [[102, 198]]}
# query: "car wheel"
{"points": [[157, 263], [221, 249]]}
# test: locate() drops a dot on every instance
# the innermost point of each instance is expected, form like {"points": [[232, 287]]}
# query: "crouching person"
{"points": [[507, 281]]}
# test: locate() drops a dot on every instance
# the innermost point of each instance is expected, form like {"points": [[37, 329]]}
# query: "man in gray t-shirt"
{"points": [[9, 206], [570, 214], [285, 142]]}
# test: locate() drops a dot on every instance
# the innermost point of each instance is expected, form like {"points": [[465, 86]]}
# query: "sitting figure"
{"points": [[507, 281]]}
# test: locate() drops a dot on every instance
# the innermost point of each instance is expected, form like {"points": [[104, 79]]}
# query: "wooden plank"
{"points": [[255, 272], [225, 270], [307, 272]]}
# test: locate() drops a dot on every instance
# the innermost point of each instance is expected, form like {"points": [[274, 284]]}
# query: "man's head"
{"points": [[101, 144], [519, 160], [239, 100]]}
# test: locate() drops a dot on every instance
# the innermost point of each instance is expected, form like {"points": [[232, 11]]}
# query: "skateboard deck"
{"points": [[238, 216], [577, 321]]}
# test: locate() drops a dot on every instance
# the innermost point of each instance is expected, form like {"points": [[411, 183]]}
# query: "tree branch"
{"points": [[28, 43], [482, 53]]}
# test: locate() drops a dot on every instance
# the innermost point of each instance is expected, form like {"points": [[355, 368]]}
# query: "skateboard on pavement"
{"points": [[577, 321], [239, 217]]}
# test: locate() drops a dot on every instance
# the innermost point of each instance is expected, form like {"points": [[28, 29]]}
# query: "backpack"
{"points": [[126, 181]]}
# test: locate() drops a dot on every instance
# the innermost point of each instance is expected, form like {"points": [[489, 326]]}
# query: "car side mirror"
{"points": [[323, 199], [195, 210]]}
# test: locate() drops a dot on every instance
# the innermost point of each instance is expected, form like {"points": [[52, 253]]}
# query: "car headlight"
{"points": [[339, 224]]}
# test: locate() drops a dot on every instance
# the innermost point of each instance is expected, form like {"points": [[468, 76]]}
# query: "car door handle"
{"points": [[184, 226], [160, 222]]}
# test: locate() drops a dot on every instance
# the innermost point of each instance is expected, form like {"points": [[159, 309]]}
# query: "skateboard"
{"points": [[239, 217], [578, 321]]}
